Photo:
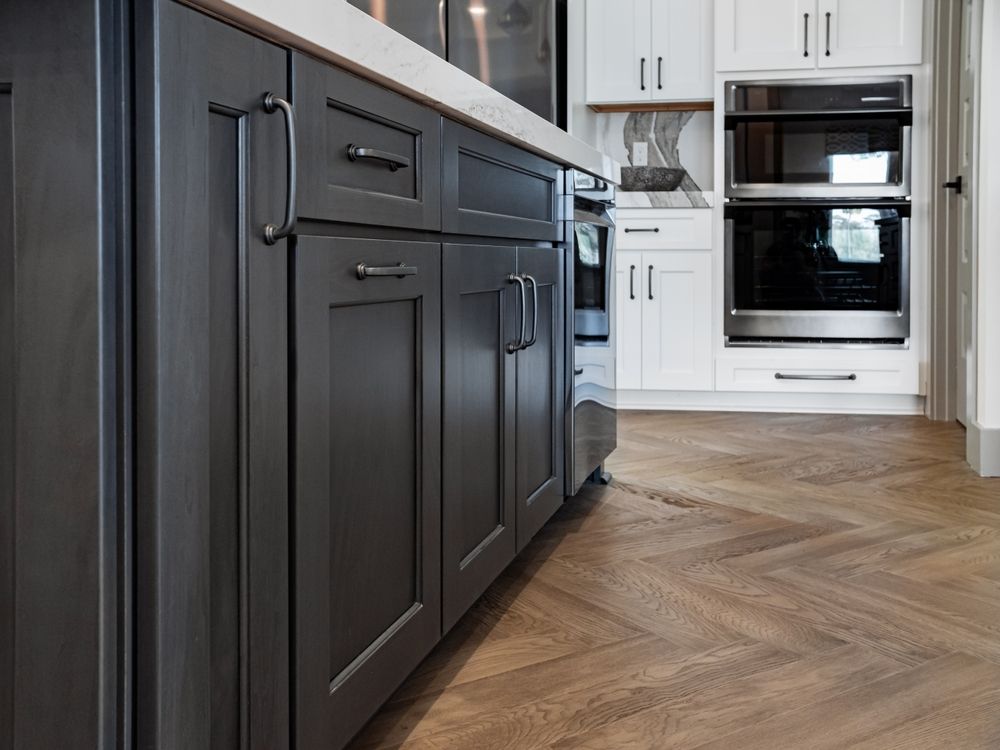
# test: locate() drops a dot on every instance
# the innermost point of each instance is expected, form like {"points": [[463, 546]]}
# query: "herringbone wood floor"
{"points": [[749, 581]]}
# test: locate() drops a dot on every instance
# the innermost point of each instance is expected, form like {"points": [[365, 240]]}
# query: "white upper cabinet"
{"points": [[648, 51], [809, 34], [765, 34], [617, 52], [856, 33]]}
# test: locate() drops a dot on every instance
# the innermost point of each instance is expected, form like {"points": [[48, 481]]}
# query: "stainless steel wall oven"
{"points": [[817, 218]]}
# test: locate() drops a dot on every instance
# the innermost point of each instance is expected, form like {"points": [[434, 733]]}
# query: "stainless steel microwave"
{"points": [[818, 138]]}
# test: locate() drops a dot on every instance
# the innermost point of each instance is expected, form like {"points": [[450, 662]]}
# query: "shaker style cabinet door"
{"points": [[629, 288], [211, 386], [367, 457], [681, 58], [541, 412], [483, 312], [854, 33], [617, 54], [765, 34]]}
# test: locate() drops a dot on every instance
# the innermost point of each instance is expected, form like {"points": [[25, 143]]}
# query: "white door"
{"points": [[628, 319], [677, 320], [683, 39], [765, 34], [869, 32], [966, 379], [618, 67]]}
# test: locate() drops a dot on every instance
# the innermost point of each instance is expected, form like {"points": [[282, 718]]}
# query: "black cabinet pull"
{"points": [[629, 230], [659, 72], [395, 161], [534, 310], [578, 371], [784, 376], [955, 185], [631, 282], [513, 346], [642, 73], [400, 270], [828, 34], [805, 35], [273, 233], [651, 282]]}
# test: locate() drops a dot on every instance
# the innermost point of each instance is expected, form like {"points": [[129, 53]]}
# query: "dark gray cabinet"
{"points": [[503, 467], [367, 500], [211, 469], [366, 155]]}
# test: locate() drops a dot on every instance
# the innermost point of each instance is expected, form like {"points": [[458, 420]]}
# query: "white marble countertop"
{"points": [[335, 31]]}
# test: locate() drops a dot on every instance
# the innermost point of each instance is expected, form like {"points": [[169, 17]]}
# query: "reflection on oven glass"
{"points": [[860, 169]]}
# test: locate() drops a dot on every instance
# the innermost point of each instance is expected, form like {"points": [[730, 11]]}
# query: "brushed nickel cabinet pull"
{"points": [[534, 310], [400, 270], [513, 346], [394, 161], [272, 232], [784, 376]]}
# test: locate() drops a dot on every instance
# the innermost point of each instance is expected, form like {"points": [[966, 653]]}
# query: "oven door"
{"points": [[818, 270], [593, 264], [818, 140]]}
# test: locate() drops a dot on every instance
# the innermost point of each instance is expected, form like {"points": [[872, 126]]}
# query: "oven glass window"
{"points": [[858, 151], [817, 258], [591, 266]]}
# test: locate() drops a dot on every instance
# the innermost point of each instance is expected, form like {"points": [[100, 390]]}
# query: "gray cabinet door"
{"points": [[541, 410], [481, 317], [211, 387], [367, 503]]}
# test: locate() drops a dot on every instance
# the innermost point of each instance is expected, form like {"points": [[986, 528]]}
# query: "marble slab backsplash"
{"points": [[666, 157]]}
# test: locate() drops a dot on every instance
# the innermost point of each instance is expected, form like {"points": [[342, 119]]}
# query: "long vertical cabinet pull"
{"points": [[642, 73], [534, 310], [828, 33], [274, 233], [805, 35], [513, 346], [659, 72], [631, 282], [650, 288]]}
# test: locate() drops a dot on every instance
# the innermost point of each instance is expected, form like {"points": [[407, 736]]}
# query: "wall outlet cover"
{"points": [[640, 154]]}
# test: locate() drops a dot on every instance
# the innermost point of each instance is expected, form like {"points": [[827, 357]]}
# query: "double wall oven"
{"points": [[817, 217]]}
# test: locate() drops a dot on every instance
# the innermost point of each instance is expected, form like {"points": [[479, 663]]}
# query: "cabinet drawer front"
{"points": [[871, 375], [494, 189], [366, 155], [683, 229], [367, 504]]}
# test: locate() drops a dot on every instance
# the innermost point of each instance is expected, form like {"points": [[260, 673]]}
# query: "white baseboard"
{"points": [[982, 449], [804, 403]]}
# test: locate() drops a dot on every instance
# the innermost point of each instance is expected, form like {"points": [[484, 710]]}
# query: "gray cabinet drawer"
{"points": [[493, 189], [394, 177]]}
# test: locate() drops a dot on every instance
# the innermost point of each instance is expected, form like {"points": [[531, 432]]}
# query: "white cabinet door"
{"points": [[765, 34], [618, 67], [628, 319], [854, 33], [683, 39], [677, 321]]}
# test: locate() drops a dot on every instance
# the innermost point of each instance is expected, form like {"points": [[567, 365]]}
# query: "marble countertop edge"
{"points": [[339, 33]]}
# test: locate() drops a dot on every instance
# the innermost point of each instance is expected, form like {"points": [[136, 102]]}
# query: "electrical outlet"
{"points": [[640, 154]]}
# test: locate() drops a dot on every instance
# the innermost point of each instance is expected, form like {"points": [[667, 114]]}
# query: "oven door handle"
{"points": [[814, 376]]}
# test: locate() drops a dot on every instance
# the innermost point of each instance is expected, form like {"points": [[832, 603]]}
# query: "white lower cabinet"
{"points": [[664, 320]]}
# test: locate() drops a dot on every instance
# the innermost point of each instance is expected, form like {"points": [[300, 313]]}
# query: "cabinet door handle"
{"points": [[828, 34], [650, 282], [818, 376], [642, 73], [273, 233], [805, 35], [534, 310], [364, 271], [659, 72], [394, 161], [578, 371], [513, 346], [955, 185], [629, 230], [631, 282]]}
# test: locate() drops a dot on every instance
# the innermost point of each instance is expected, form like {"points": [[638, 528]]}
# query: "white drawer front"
{"points": [[899, 376], [682, 229]]}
